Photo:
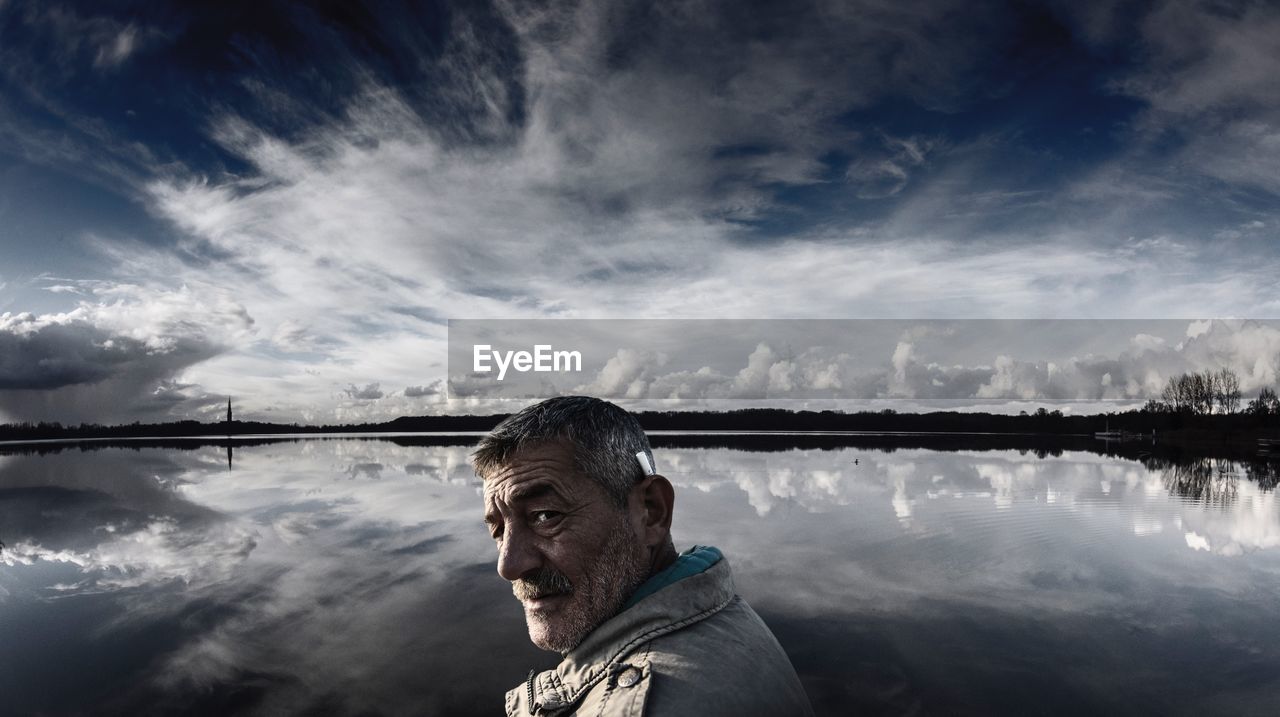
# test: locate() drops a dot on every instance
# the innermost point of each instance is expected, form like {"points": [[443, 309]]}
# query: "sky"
{"points": [[285, 203]]}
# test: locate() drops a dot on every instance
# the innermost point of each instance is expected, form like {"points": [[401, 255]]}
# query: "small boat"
{"points": [[1109, 435], [1121, 435]]}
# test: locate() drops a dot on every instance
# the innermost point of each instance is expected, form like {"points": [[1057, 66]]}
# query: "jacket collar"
{"points": [[675, 606]]}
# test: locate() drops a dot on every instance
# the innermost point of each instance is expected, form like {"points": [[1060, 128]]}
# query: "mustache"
{"points": [[543, 583]]}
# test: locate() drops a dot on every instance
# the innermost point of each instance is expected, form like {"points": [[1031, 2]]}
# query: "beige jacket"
{"points": [[692, 648]]}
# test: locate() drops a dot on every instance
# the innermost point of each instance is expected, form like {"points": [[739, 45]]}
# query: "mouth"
{"points": [[544, 602]]}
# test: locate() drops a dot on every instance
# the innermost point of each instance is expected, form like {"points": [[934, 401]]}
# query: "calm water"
{"points": [[355, 577]]}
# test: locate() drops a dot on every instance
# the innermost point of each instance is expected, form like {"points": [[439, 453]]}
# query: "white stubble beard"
{"points": [[620, 568]]}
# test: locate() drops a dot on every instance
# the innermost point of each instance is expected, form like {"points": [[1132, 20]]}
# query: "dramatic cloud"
{"points": [[103, 41], [1213, 82], [433, 389], [604, 159], [113, 360], [370, 392]]}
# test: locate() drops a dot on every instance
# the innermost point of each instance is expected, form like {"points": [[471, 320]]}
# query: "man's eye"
{"points": [[542, 517]]}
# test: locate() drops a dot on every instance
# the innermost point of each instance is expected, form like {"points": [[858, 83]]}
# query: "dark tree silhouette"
{"points": [[1204, 393], [1266, 404]]}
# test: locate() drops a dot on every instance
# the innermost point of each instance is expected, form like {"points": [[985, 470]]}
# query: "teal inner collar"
{"points": [[689, 563]]}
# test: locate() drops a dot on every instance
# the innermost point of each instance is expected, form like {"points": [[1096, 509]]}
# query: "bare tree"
{"points": [[1154, 406], [1203, 393], [1227, 390], [1178, 393]]}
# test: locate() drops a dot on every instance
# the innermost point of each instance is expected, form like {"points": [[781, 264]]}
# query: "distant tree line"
{"points": [[745, 419], [1206, 403], [27, 431], [1210, 393]]}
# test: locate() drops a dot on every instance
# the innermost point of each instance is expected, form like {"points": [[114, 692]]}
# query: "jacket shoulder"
{"points": [[727, 664]]}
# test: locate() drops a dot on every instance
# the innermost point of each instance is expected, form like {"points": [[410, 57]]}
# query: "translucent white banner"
{"points": [[921, 360]]}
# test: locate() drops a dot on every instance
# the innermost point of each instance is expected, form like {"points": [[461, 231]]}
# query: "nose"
{"points": [[517, 555]]}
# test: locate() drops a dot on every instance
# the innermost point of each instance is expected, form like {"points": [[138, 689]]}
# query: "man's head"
{"points": [[578, 522]]}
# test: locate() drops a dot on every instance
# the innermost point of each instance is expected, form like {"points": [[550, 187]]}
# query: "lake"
{"points": [[355, 577]]}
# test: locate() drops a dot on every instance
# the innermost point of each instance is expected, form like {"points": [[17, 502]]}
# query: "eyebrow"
{"points": [[523, 493], [529, 492]]}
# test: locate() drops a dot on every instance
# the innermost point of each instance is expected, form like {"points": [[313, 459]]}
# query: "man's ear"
{"points": [[653, 499]]}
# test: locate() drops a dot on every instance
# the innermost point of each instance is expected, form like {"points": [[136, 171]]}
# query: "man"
{"points": [[582, 524]]}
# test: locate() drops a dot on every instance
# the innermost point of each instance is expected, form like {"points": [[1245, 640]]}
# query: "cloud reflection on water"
{"points": [[304, 578]]}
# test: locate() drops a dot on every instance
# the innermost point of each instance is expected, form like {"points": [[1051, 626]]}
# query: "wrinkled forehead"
{"points": [[542, 467]]}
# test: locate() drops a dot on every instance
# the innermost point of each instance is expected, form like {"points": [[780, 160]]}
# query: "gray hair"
{"points": [[605, 440]]}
